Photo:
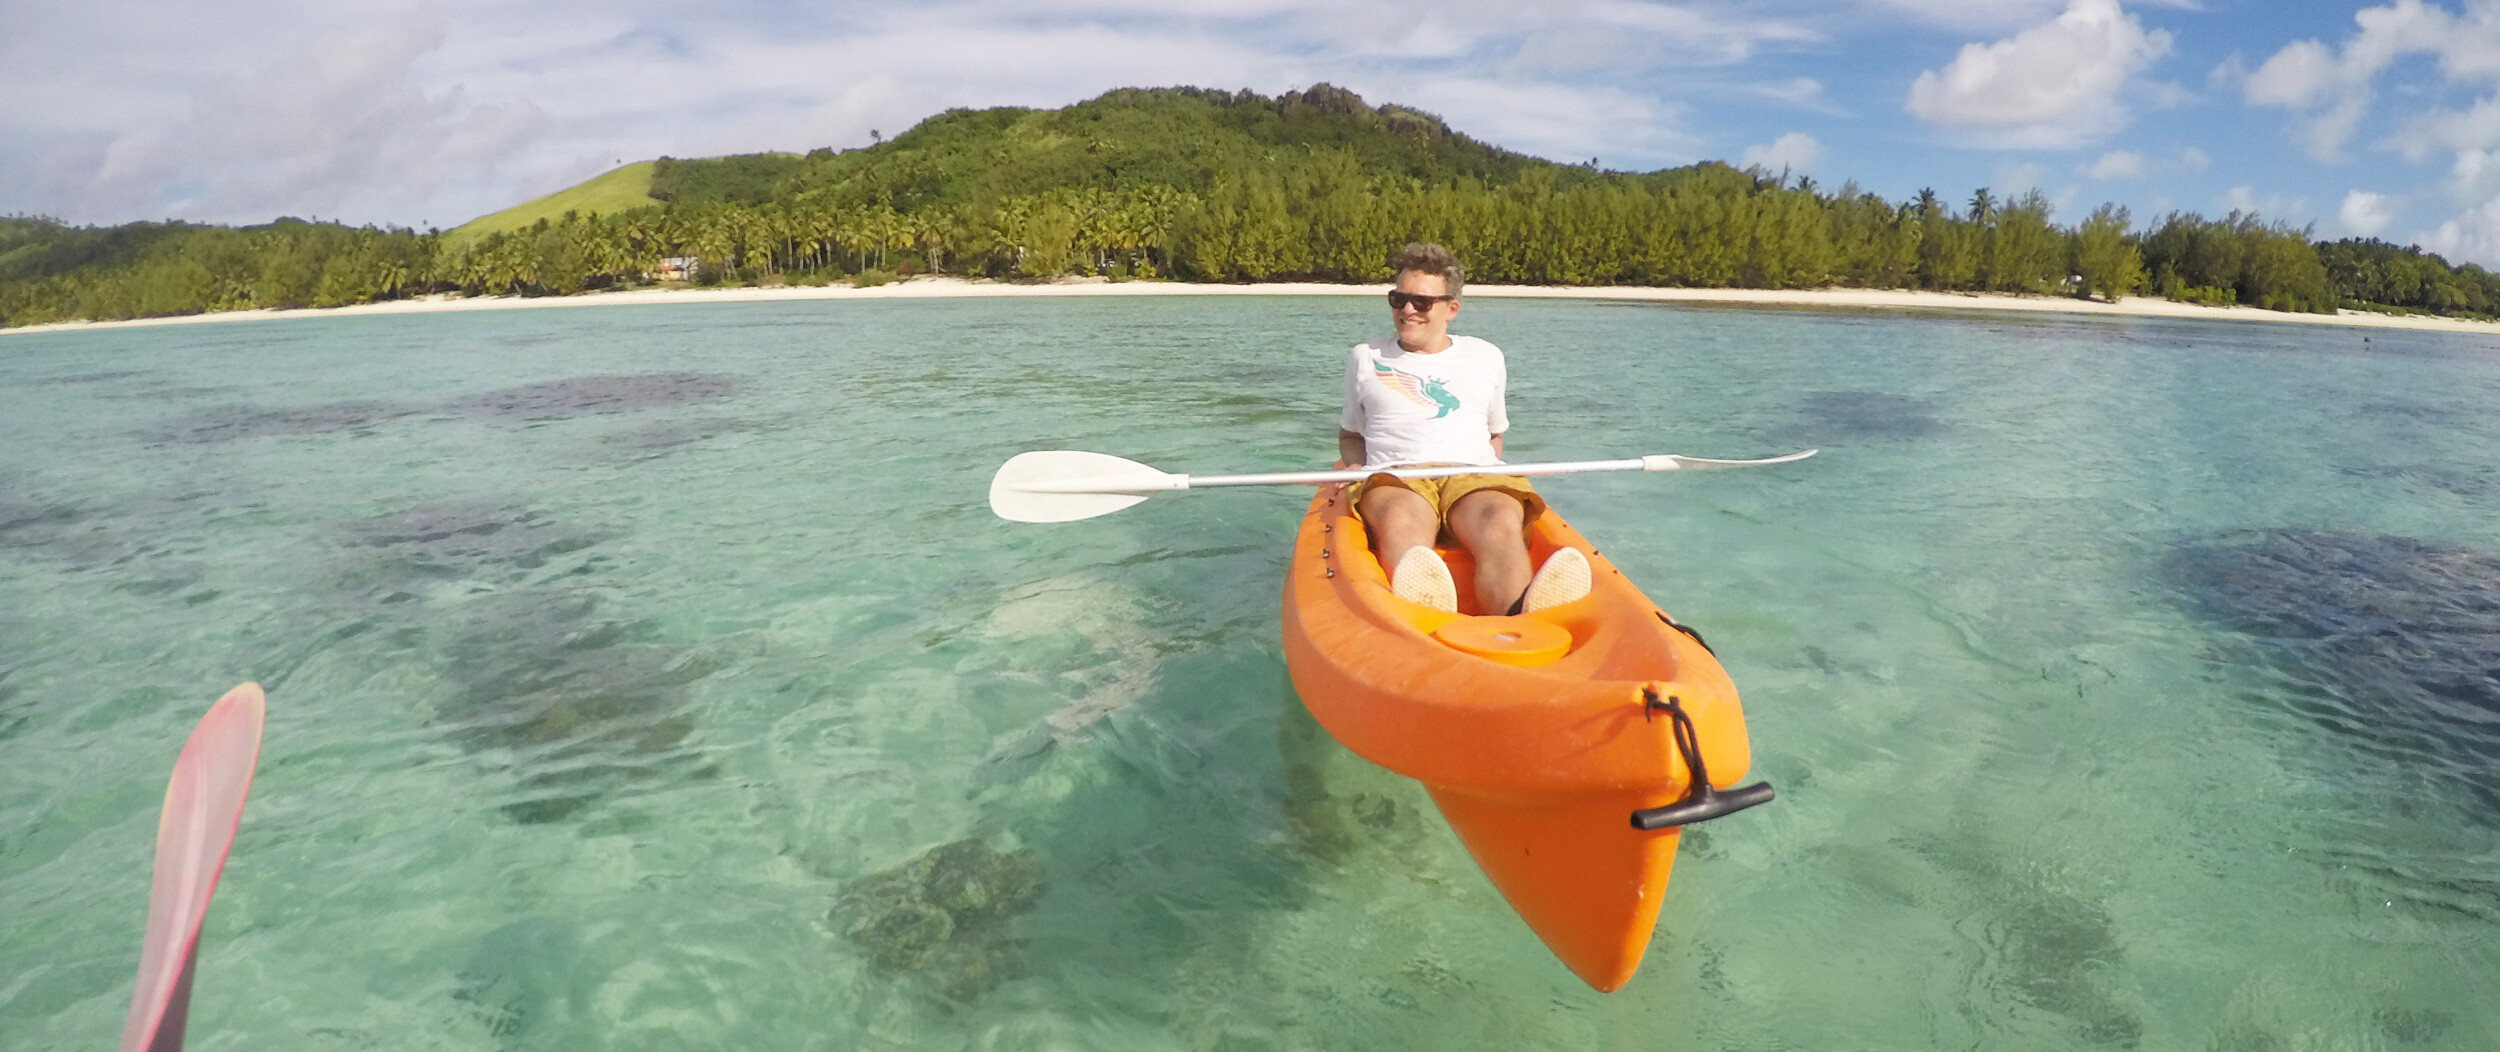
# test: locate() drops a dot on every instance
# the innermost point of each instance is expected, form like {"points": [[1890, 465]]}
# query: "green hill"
{"points": [[621, 190], [1183, 138], [1207, 185]]}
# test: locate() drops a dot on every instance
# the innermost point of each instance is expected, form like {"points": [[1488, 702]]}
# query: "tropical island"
{"points": [[1211, 186]]}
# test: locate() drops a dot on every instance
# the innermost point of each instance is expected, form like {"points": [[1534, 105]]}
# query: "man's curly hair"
{"points": [[1424, 257]]}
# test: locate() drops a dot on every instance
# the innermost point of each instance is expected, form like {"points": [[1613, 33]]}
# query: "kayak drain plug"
{"points": [[1701, 803]]}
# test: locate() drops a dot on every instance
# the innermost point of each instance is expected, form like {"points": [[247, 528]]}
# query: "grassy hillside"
{"points": [[617, 191]]}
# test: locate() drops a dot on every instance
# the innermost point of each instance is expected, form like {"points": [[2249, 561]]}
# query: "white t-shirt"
{"points": [[1438, 408]]}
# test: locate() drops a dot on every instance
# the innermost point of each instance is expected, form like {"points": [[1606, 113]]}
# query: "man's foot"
{"points": [[1422, 578], [1563, 578]]}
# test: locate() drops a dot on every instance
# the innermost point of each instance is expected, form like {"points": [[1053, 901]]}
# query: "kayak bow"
{"points": [[1559, 744]]}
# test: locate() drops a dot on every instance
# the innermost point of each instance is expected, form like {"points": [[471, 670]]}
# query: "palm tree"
{"points": [[813, 228], [1983, 207], [711, 238], [754, 232], [611, 252], [851, 233], [393, 276]]}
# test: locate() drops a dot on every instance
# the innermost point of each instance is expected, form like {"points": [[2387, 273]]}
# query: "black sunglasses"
{"points": [[1403, 300]]}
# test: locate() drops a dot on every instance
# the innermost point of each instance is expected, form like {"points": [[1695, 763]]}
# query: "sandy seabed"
{"points": [[940, 287]]}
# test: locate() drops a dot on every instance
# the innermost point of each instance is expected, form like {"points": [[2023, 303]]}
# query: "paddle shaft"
{"points": [[177, 1006], [1064, 485], [1169, 483]]}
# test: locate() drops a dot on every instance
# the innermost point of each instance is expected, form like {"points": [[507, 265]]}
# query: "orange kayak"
{"points": [[1539, 735]]}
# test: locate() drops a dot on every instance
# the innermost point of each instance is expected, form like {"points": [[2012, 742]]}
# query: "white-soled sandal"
{"points": [[1563, 578], [1423, 579]]}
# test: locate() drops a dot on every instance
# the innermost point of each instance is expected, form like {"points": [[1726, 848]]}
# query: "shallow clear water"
{"points": [[2126, 683]]}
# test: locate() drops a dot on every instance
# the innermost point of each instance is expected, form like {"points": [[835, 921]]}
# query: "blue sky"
{"points": [[2363, 119]]}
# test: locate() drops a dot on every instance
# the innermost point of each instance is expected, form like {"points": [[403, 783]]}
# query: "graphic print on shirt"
{"points": [[1420, 390]]}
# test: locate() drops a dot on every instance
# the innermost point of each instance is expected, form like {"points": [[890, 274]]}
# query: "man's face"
{"points": [[1422, 328]]}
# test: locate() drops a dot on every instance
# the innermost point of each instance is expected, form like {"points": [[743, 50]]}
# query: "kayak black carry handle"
{"points": [[1701, 803]]}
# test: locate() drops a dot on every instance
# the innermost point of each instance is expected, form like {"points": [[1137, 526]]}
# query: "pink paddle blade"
{"points": [[203, 804]]}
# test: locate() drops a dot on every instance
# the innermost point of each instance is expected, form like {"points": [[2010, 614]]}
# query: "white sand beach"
{"points": [[941, 287]]}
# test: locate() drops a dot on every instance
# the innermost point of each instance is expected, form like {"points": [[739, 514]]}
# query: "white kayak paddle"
{"points": [[1063, 485]]}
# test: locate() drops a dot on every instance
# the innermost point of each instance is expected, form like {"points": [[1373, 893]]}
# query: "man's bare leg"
{"points": [[1398, 519], [1492, 525]]}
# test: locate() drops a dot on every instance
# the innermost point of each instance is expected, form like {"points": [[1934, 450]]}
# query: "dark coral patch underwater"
{"points": [[526, 404], [573, 700], [236, 423], [943, 915], [2395, 641], [1868, 414], [396, 557], [588, 395], [541, 681]]}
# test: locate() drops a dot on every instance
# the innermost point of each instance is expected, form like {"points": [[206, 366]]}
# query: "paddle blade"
{"points": [[1063, 485], [203, 804], [1672, 462]]}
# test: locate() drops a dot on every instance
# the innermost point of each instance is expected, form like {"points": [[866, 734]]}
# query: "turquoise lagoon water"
{"points": [[657, 678]]}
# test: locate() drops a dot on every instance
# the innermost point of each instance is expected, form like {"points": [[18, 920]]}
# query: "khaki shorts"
{"points": [[1443, 493]]}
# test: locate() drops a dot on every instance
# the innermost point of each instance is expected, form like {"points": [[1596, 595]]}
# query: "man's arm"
{"points": [[1497, 447], [1351, 452]]}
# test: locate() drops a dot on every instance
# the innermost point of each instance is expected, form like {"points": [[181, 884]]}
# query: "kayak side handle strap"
{"points": [[1701, 803], [1687, 630]]}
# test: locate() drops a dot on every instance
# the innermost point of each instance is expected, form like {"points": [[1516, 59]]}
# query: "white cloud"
{"points": [[2169, 95], [2013, 179], [2475, 128], [1801, 92], [407, 110], [2232, 72], [303, 134], [2053, 85], [2472, 237], [1988, 15], [2476, 174], [2271, 206], [2364, 214], [1977, 15], [1624, 34], [1553, 121], [2301, 73], [1793, 152], [2118, 164], [2331, 89]]}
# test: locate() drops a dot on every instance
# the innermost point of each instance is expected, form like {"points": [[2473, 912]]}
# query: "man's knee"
{"points": [[1392, 504], [1487, 511], [1397, 518]]}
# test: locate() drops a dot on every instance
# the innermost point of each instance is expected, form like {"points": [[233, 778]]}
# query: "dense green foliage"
{"points": [[1219, 186], [33, 248], [1183, 138], [2375, 275], [2237, 259], [183, 269]]}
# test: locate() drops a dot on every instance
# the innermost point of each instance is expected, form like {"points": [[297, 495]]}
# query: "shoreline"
{"points": [[953, 287]]}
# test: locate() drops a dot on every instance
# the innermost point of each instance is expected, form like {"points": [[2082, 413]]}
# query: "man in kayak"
{"points": [[1426, 398]]}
